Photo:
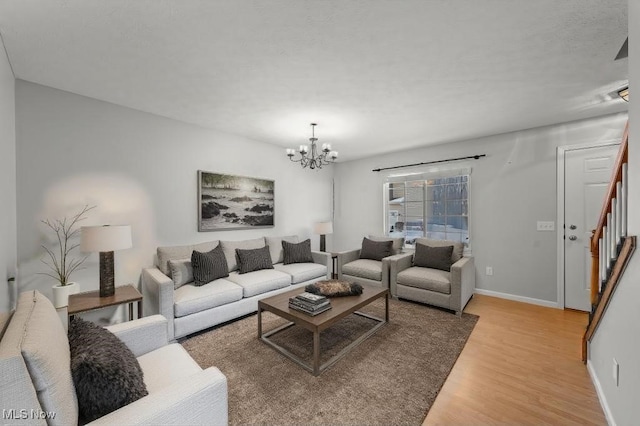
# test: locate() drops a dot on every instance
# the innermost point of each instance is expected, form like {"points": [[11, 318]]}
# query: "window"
{"points": [[432, 205]]}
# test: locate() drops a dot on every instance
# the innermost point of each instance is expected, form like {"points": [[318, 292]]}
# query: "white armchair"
{"points": [[36, 374]]}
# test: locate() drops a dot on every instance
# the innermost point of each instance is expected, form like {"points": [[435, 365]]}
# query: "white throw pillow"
{"points": [[181, 272]]}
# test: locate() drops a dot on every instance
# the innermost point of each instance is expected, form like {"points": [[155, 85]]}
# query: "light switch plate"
{"points": [[546, 226]]}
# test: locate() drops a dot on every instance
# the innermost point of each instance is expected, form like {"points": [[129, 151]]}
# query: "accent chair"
{"points": [[447, 289], [354, 265]]}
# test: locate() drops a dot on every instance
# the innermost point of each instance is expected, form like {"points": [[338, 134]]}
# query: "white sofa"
{"points": [[36, 373], [191, 308]]}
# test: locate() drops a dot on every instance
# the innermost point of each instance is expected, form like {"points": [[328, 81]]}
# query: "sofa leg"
{"points": [[459, 314]]}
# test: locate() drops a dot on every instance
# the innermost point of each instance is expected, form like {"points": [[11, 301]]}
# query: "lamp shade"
{"points": [[105, 238], [323, 228]]}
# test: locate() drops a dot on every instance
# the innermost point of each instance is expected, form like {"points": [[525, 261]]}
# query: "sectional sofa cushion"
{"points": [[165, 254], [190, 299], [297, 253], [181, 272], [208, 266], [397, 242], [275, 247], [458, 247], [426, 279], [229, 249], [365, 268], [254, 259], [375, 250], [106, 374], [302, 271], [433, 257], [259, 282], [43, 343]]}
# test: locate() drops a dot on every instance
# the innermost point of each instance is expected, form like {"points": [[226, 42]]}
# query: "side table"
{"points": [[334, 260], [91, 300]]}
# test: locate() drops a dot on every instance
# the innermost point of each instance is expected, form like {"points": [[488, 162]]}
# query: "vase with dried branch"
{"points": [[60, 260]]}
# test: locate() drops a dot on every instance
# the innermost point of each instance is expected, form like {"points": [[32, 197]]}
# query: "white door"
{"points": [[587, 175]]}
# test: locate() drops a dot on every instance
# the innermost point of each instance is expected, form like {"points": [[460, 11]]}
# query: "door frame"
{"points": [[560, 176]]}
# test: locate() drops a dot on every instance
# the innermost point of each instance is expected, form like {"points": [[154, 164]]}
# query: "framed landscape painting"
{"points": [[228, 202]]}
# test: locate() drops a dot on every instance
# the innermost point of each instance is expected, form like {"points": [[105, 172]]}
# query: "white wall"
{"points": [[511, 189], [617, 335], [7, 180], [139, 169]]}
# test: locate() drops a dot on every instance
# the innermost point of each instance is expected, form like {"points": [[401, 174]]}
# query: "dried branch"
{"points": [[65, 230]]}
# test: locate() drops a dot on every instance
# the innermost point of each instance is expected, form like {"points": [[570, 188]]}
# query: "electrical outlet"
{"points": [[489, 270], [546, 226], [616, 372]]}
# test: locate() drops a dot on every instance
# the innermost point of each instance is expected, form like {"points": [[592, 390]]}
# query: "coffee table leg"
{"points": [[130, 311], [316, 352], [386, 308], [140, 309], [259, 322]]}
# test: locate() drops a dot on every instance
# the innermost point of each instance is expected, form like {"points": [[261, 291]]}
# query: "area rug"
{"points": [[392, 378]]}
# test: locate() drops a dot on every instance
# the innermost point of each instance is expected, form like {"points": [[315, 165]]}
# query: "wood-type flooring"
{"points": [[520, 366]]}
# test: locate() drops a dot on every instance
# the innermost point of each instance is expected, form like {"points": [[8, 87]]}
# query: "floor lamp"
{"points": [[105, 240], [322, 229]]}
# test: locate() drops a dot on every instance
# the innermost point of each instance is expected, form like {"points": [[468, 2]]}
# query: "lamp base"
{"points": [[323, 242], [107, 287]]}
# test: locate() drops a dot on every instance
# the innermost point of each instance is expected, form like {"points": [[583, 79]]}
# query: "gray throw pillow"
{"points": [[106, 374], [254, 259], [375, 250], [181, 272], [209, 266], [297, 253], [433, 257]]}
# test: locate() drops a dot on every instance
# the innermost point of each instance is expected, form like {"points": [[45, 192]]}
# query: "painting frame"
{"points": [[232, 202]]}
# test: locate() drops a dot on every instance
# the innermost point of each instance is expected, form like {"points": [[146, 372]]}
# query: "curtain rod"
{"points": [[475, 157]]}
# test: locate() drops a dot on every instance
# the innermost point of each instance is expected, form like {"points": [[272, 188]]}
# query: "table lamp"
{"points": [[322, 229], [105, 239]]}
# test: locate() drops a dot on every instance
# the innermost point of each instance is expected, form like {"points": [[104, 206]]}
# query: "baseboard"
{"points": [[516, 298], [600, 393]]}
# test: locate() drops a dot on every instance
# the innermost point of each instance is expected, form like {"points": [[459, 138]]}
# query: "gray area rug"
{"points": [[392, 378]]}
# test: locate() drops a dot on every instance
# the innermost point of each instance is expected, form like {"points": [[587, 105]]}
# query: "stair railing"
{"points": [[610, 245]]}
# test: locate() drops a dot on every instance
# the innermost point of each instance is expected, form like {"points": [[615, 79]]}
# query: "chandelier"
{"points": [[313, 159]]}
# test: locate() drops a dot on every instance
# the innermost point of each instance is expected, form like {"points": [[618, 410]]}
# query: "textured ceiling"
{"points": [[375, 75]]}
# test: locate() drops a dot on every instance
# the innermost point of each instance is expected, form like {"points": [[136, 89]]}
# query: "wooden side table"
{"points": [[91, 300]]}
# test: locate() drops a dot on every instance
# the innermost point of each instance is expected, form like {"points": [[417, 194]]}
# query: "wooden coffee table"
{"points": [[340, 308]]}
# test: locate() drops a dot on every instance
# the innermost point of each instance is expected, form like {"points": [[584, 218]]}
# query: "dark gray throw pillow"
{"points": [[106, 374], [254, 259], [376, 250], [297, 253], [433, 257], [209, 266]]}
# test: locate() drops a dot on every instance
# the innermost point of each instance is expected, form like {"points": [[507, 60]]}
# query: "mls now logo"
{"points": [[24, 414]]}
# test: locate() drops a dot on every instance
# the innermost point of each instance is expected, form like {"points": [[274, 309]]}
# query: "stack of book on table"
{"points": [[309, 303]]}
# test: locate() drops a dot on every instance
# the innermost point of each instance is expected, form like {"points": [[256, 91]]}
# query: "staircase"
{"points": [[611, 247]]}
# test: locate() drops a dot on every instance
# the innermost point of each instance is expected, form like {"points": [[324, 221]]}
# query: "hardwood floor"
{"points": [[521, 365]]}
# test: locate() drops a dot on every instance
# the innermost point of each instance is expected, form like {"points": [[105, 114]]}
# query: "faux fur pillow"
{"points": [[334, 288], [106, 374]]}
